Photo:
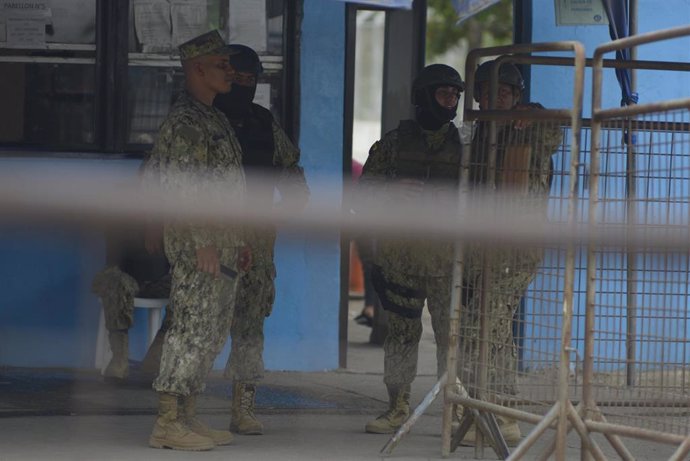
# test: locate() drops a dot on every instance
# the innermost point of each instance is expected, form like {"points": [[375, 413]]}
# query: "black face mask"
{"points": [[237, 102], [430, 114]]}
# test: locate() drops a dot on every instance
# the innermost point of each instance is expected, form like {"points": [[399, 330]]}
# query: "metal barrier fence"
{"points": [[635, 369], [604, 341], [531, 158]]}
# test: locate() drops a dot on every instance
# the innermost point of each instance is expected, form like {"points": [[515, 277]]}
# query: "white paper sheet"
{"points": [[247, 23], [263, 95], [25, 16], [153, 26], [26, 33], [189, 19]]}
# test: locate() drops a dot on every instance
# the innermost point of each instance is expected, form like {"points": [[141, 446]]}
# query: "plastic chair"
{"points": [[155, 307]]}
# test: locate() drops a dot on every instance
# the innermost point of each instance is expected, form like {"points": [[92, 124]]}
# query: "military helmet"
{"points": [[245, 59], [435, 75], [508, 74]]}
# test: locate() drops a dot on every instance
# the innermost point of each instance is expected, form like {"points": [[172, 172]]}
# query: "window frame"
{"points": [[111, 75]]}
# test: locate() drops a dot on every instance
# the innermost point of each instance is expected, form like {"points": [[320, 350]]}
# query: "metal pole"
{"points": [[569, 282], [588, 362], [631, 198]]}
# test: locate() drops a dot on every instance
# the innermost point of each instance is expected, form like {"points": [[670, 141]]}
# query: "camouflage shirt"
{"points": [[416, 255], [538, 142], [197, 156]]}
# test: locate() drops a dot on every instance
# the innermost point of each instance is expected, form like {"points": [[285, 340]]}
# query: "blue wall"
{"points": [[552, 87], [48, 316]]}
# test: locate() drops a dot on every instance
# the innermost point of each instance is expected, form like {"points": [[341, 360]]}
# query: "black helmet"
{"points": [[435, 75], [245, 59], [508, 74]]}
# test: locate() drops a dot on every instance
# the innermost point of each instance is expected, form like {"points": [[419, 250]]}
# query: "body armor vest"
{"points": [[506, 136], [417, 160]]}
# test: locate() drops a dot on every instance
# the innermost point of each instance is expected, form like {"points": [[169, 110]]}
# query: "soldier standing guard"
{"points": [[196, 154], [524, 169], [271, 162], [418, 157]]}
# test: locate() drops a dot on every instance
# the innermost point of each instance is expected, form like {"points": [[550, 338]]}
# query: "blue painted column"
{"points": [[302, 332]]}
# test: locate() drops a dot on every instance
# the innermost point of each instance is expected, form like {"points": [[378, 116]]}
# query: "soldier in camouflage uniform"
{"points": [[524, 167], [133, 269], [196, 155], [416, 160], [271, 161]]}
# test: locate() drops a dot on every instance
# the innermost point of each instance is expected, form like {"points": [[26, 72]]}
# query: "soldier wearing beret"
{"points": [[197, 154]]}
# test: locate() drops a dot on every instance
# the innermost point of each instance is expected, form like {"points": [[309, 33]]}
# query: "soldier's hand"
{"points": [[409, 188], [207, 260], [245, 259]]}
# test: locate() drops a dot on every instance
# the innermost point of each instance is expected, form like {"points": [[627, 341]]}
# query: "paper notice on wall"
{"points": [[26, 17], [34, 9], [25, 33], [153, 25], [580, 12], [189, 19], [247, 23], [263, 95]]}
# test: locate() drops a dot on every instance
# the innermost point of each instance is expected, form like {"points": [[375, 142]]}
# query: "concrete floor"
{"points": [[307, 416]]}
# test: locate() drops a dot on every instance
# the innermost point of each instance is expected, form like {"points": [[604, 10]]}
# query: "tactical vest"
{"points": [[255, 134], [416, 160], [479, 168]]}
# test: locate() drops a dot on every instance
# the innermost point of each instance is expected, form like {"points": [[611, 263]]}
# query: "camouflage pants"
{"points": [[401, 346], [203, 307], [256, 294], [507, 284], [117, 290]]}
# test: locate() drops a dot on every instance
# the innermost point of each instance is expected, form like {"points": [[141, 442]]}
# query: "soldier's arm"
{"points": [[292, 184], [182, 169], [378, 171]]}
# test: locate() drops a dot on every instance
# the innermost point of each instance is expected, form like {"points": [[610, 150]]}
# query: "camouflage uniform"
{"points": [[409, 271], [511, 270], [256, 287], [196, 151], [130, 272], [117, 290]]}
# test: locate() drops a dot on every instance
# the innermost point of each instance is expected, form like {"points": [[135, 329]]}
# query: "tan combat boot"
{"points": [[192, 422], [171, 432], [509, 430], [118, 367], [397, 413], [243, 420]]}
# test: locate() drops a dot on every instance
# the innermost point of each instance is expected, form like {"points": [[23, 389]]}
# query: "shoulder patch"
{"points": [[189, 133]]}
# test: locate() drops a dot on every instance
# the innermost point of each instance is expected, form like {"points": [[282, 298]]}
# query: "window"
{"points": [[100, 76], [47, 73]]}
